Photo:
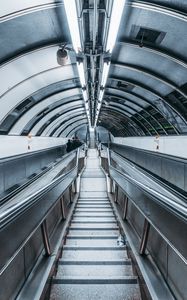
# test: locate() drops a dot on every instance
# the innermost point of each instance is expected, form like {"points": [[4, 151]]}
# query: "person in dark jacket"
{"points": [[69, 146]]}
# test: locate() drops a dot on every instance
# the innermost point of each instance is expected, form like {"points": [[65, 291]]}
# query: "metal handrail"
{"points": [[178, 207], [13, 211], [27, 183]]}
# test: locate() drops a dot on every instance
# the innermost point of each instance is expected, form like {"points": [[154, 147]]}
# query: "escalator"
{"points": [[95, 263]]}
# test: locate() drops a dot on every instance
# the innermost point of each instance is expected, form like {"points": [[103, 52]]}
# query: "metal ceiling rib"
{"points": [[18, 27], [124, 111], [53, 125], [123, 117], [42, 123], [76, 128], [139, 104], [150, 74], [111, 121], [62, 127], [134, 112], [153, 49], [60, 120], [73, 126], [64, 101], [169, 117]]}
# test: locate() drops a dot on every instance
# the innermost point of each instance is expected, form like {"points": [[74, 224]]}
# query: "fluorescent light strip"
{"points": [[117, 10], [80, 67], [85, 95], [71, 13], [106, 68], [101, 95]]}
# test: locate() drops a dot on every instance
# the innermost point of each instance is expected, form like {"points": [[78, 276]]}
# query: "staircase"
{"points": [[94, 264]]}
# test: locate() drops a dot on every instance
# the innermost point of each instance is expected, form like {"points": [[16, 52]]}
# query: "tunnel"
{"points": [[93, 150]]}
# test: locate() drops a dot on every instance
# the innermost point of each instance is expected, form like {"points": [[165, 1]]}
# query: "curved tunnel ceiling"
{"points": [[146, 90]]}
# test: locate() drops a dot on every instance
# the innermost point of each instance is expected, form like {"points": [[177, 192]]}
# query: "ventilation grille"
{"points": [[125, 86], [25, 104], [146, 35]]}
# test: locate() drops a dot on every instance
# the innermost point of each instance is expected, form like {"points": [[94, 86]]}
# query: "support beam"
{"points": [[144, 238], [125, 208], [62, 207], [45, 237]]}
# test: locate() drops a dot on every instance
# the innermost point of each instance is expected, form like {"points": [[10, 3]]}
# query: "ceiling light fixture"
{"points": [[72, 17], [106, 68], [80, 67], [71, 13], [62, 56], [117, 11], [115, 19]]}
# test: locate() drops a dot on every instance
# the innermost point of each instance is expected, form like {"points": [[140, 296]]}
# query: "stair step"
{"points": [[91, 214], [93, 291], [96, 280], [99, 195], [94, 204], [95, 200], [87, 237], [93, 255], [93, 222], [92, 242], [92, 226], [98, 226], [93, 210], [94, 270], [93, 232], [93, 219], [89, 248], [123, 262]]}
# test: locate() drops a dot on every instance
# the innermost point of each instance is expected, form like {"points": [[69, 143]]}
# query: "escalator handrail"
{"points": [[13, 211], [179, 208]]}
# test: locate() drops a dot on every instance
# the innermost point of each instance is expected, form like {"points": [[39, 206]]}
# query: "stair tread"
{"points": [[94, 270], [93, 226], [93, 255], [92, 242], [95, 292], [99, 278], [101, 248], [114, 232]]}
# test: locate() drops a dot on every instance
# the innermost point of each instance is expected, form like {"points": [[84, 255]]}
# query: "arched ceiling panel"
{"points": [[157, 16], [31, 27], [161, 66], [125, 111], [68, 123], [77, 127], [111, 121], [169, 118], [72, 126], [60, 119], [147, 113], [60, 98], [13, 97], [122, 119], [61, 109], [135, 113]]}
